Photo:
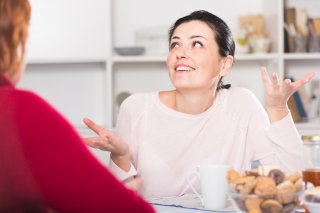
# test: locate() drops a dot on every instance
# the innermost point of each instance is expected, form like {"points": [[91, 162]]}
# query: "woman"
{"points": [[43, 161], [202, 121]]}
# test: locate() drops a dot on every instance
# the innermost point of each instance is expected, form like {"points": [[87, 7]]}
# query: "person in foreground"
{"points": [[44, 163], [164, 135]]}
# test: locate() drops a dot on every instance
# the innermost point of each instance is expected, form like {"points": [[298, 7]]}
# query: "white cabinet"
{"points": [[89, 86]]}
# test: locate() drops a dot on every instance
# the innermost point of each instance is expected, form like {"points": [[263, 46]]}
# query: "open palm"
{"points": [[277, 94], [106, 140]]}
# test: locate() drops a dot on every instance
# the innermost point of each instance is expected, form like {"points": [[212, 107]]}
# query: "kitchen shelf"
{"points": [[301, 56], [256, 57], [66, 61], [138, 59]]}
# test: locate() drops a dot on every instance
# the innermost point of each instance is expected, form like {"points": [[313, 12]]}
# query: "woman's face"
{"points": [[193, 61]]}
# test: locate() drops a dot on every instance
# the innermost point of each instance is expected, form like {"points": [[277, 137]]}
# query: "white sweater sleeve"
{"points": [[288, 144], [121, 174], [277, 143]]}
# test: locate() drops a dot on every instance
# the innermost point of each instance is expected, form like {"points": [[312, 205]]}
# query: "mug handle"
{"points": [[190, 180]]}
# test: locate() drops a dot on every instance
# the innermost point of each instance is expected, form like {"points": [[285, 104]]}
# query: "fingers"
{"points": [[93, 126], [264, 75], [286, 85], [88, 122], [267, 82], [300, 83], [93, 140], [98, 143], [308, 77], [274, 79]]}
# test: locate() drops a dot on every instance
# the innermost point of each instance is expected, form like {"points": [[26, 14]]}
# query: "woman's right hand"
{"points": [[109, 141]]}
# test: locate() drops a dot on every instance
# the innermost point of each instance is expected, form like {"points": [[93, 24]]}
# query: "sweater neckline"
{"points": [[173, 112]]}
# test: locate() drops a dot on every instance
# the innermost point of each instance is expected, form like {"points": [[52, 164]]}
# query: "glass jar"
{"points": [[311, 159]]}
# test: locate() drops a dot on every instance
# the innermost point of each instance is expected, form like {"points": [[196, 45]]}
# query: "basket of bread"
{"points": [[264, 190]]}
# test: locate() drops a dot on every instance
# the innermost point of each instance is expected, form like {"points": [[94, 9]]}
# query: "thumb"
{"points": [[93, 126], [88, 122]]}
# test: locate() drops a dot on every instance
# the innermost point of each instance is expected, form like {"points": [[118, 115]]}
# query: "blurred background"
{"points": [[85, 57]]}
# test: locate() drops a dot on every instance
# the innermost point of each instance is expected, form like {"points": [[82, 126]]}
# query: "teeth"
{"points": [[184, 68]]}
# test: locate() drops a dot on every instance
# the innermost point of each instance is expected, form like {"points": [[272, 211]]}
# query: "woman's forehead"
{"points": [[193, 28]]}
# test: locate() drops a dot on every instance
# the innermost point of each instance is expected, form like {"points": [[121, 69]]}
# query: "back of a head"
{"points": [[14, 22]]}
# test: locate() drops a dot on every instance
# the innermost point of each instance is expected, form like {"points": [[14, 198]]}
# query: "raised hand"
{"points": [[108, 141], [277, 94]]}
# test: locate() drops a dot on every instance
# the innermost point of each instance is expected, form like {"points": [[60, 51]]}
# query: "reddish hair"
{"points": [[14, 24]]}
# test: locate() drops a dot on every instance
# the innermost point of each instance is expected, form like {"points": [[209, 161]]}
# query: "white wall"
{"points": [[69, 43], [77, 90], [66, 30]]}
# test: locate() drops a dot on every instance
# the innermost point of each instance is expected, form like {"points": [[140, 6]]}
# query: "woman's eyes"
{"points": [[174, 45], [194, 44], [197, 44]]}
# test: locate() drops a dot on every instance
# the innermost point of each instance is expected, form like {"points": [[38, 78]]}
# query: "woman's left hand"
{"points": [[277, 94]]}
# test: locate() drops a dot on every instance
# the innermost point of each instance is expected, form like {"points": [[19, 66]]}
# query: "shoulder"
{"points": [[25, 100], [31, 108], [137, 100], [30, 101], [240, 98], [240, 93], [132, 110]]}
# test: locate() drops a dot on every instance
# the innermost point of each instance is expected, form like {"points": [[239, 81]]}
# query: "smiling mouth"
{"points": [[184, 69]]}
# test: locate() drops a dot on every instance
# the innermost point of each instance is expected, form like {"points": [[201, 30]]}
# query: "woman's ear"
{"points": [[18, 68], [226, 66]]}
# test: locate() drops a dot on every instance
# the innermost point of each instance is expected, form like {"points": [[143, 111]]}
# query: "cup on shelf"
{"points": [[213, 185], [260, 45]]}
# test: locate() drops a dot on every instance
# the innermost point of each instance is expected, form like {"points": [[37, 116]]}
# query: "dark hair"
{"points": [[222, 32]]}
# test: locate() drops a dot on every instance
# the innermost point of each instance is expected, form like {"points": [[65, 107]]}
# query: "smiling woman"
{"points": [[165, 134]]}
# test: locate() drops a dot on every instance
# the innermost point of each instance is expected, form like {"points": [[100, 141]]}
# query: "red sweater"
{"points": [[44, 163]]}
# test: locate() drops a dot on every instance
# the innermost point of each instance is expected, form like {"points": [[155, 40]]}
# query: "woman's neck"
{"points": [[191, 102]]}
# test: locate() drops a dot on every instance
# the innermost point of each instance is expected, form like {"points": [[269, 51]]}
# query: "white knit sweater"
{"points": [[166, 145]]}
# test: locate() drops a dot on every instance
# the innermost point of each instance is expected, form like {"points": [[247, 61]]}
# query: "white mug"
{"points": [[213, 185]]}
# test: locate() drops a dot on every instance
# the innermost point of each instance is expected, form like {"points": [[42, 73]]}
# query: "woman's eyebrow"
{"points": [[191, 37], [175, 37], [198, 36]]}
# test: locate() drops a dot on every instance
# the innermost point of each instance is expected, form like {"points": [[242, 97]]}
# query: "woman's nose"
{"points": [[182, 52]]}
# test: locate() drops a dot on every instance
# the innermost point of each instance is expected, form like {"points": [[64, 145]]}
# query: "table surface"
{"points": [[174, 209], [189, 203]]}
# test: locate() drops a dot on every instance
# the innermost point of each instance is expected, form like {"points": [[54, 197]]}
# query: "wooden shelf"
{"points": [[138, 59], [256, 57]]}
